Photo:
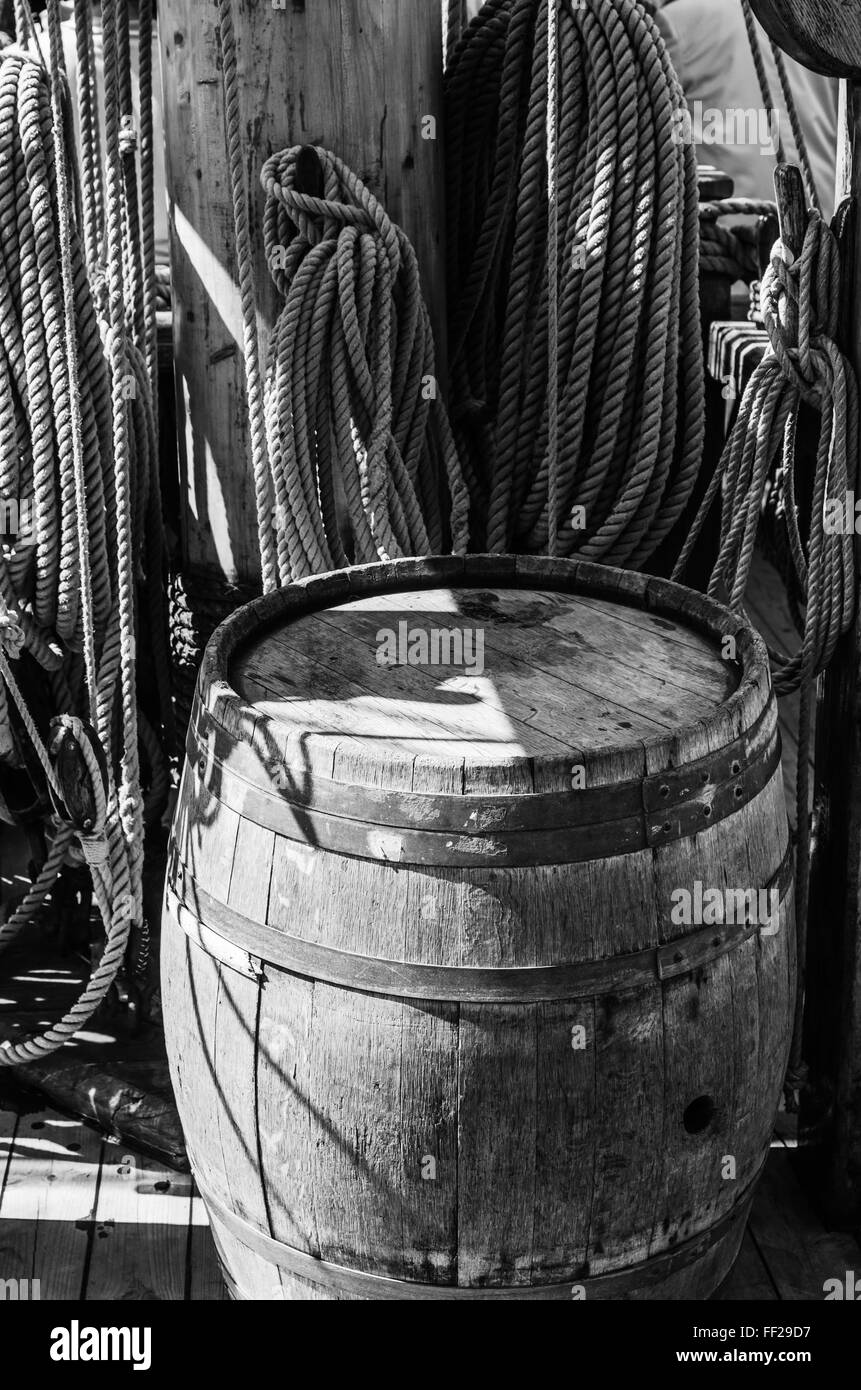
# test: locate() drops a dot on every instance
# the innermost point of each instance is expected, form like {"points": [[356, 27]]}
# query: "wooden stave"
{"points": [[666, 1276], [313, 878], [593, 822], [226, 708], [256, 949], [254, 1277], [253, 1272], [250, 1278]]}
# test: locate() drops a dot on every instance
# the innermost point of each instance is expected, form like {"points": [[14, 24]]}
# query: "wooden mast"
{"points": [[827, 38], [361, 79]]}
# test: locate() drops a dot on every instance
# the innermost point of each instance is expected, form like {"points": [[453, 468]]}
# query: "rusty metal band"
{"points": [[651, 1273], [486, 832], [243, 944]]}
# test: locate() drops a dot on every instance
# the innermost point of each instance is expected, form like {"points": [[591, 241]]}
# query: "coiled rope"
{"points": [[732, 251], [351, 398], [629, 358], [76, 436]]}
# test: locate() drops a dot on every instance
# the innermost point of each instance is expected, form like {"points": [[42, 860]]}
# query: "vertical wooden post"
{"points": [[833, 1028], [827, 38], [358, 78]]}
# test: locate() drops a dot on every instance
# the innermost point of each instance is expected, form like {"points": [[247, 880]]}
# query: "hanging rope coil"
{"points": [[800, 302], [78, 439], [800, 305], [358, 438], [629, 352]]}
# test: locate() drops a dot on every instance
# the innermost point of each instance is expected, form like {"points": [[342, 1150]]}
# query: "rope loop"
{"points": [[357, 434]]}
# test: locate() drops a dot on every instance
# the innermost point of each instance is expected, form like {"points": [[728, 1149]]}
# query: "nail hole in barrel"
{"points": [[699, 1115]]}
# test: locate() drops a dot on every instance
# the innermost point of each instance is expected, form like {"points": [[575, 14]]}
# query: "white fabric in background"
{"points": [[709, 47]]}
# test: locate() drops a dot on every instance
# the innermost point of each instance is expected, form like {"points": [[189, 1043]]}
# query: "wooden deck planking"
{"points": [[205, 1283], [798, 1252], [93, 1221], [51, 1175], [142, 1229], [749, 1279]]}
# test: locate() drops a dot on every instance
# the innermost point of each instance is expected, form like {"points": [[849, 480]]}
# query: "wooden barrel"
{"points": [[472, 983]]}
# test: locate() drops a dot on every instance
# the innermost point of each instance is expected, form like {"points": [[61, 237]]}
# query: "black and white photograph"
{"points": [[430, 673]]}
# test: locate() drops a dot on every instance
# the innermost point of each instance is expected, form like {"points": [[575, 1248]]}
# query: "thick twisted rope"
{"points": [[805, 293], [351, 417], [731, 251], [800, 302], [245, 267], [628, 339], [553, 277], [79, 439], [130, 804]]}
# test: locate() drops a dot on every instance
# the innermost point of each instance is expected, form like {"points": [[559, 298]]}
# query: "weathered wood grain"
{"points": [[820, 34], [457, 1143], [141, 1223], [358, 79], [49, 1168], [832, 1037]]}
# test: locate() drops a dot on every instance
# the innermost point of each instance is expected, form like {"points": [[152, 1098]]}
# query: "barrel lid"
{"points": [[494, 674]]}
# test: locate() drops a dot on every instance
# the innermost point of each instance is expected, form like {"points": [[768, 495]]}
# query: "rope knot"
{"points": [[128, 136], [311, 191], [11, 636]]}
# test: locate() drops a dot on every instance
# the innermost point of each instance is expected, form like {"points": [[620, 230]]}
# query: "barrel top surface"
{"points": [[482, 673]]}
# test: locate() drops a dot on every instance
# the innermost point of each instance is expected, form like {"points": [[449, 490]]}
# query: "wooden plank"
{"points": [[630, 1129], [355, 1080], [567, 1128], [357, 79], [51, 1173], [550, 681], [428, 1119], [332, 692], [235, 1053], [798, 1252], [558, 664], [749, 1281], [832, 1036], [496, 1144], [141, 1222], [205, 1282]]}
